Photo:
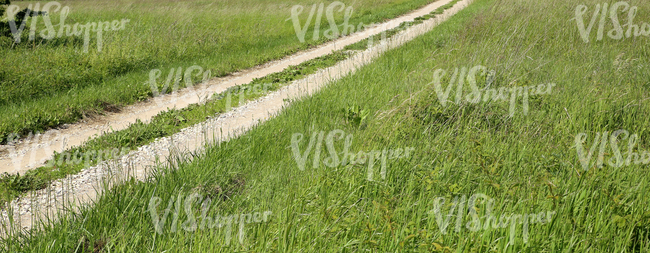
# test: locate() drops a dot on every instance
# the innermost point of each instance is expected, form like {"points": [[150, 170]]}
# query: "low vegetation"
{"points": [[526, 163]]}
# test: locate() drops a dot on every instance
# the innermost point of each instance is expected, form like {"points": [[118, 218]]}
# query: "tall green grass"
{"points": [[526, 163], [46, 83]]}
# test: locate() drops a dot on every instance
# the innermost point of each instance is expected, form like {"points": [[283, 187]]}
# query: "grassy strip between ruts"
{"points": [[172, 121]]}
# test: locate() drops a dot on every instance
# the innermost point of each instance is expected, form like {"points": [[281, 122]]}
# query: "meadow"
{"points": [[514, 164]]}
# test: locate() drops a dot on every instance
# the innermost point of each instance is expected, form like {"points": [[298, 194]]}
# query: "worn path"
{"points": [[84, 187]]}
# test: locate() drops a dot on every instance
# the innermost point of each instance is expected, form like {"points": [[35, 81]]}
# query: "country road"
{"points": [[84, 187]]}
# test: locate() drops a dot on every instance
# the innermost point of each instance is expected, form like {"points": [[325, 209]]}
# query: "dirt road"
{"points": [[84, 187]]}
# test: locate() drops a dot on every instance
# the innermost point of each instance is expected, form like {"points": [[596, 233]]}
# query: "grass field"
{"points": [[521, 163], [46, 83]]}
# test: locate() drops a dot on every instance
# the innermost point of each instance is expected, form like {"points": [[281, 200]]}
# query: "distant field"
{"points": [[45, 83], [524, 161]]}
